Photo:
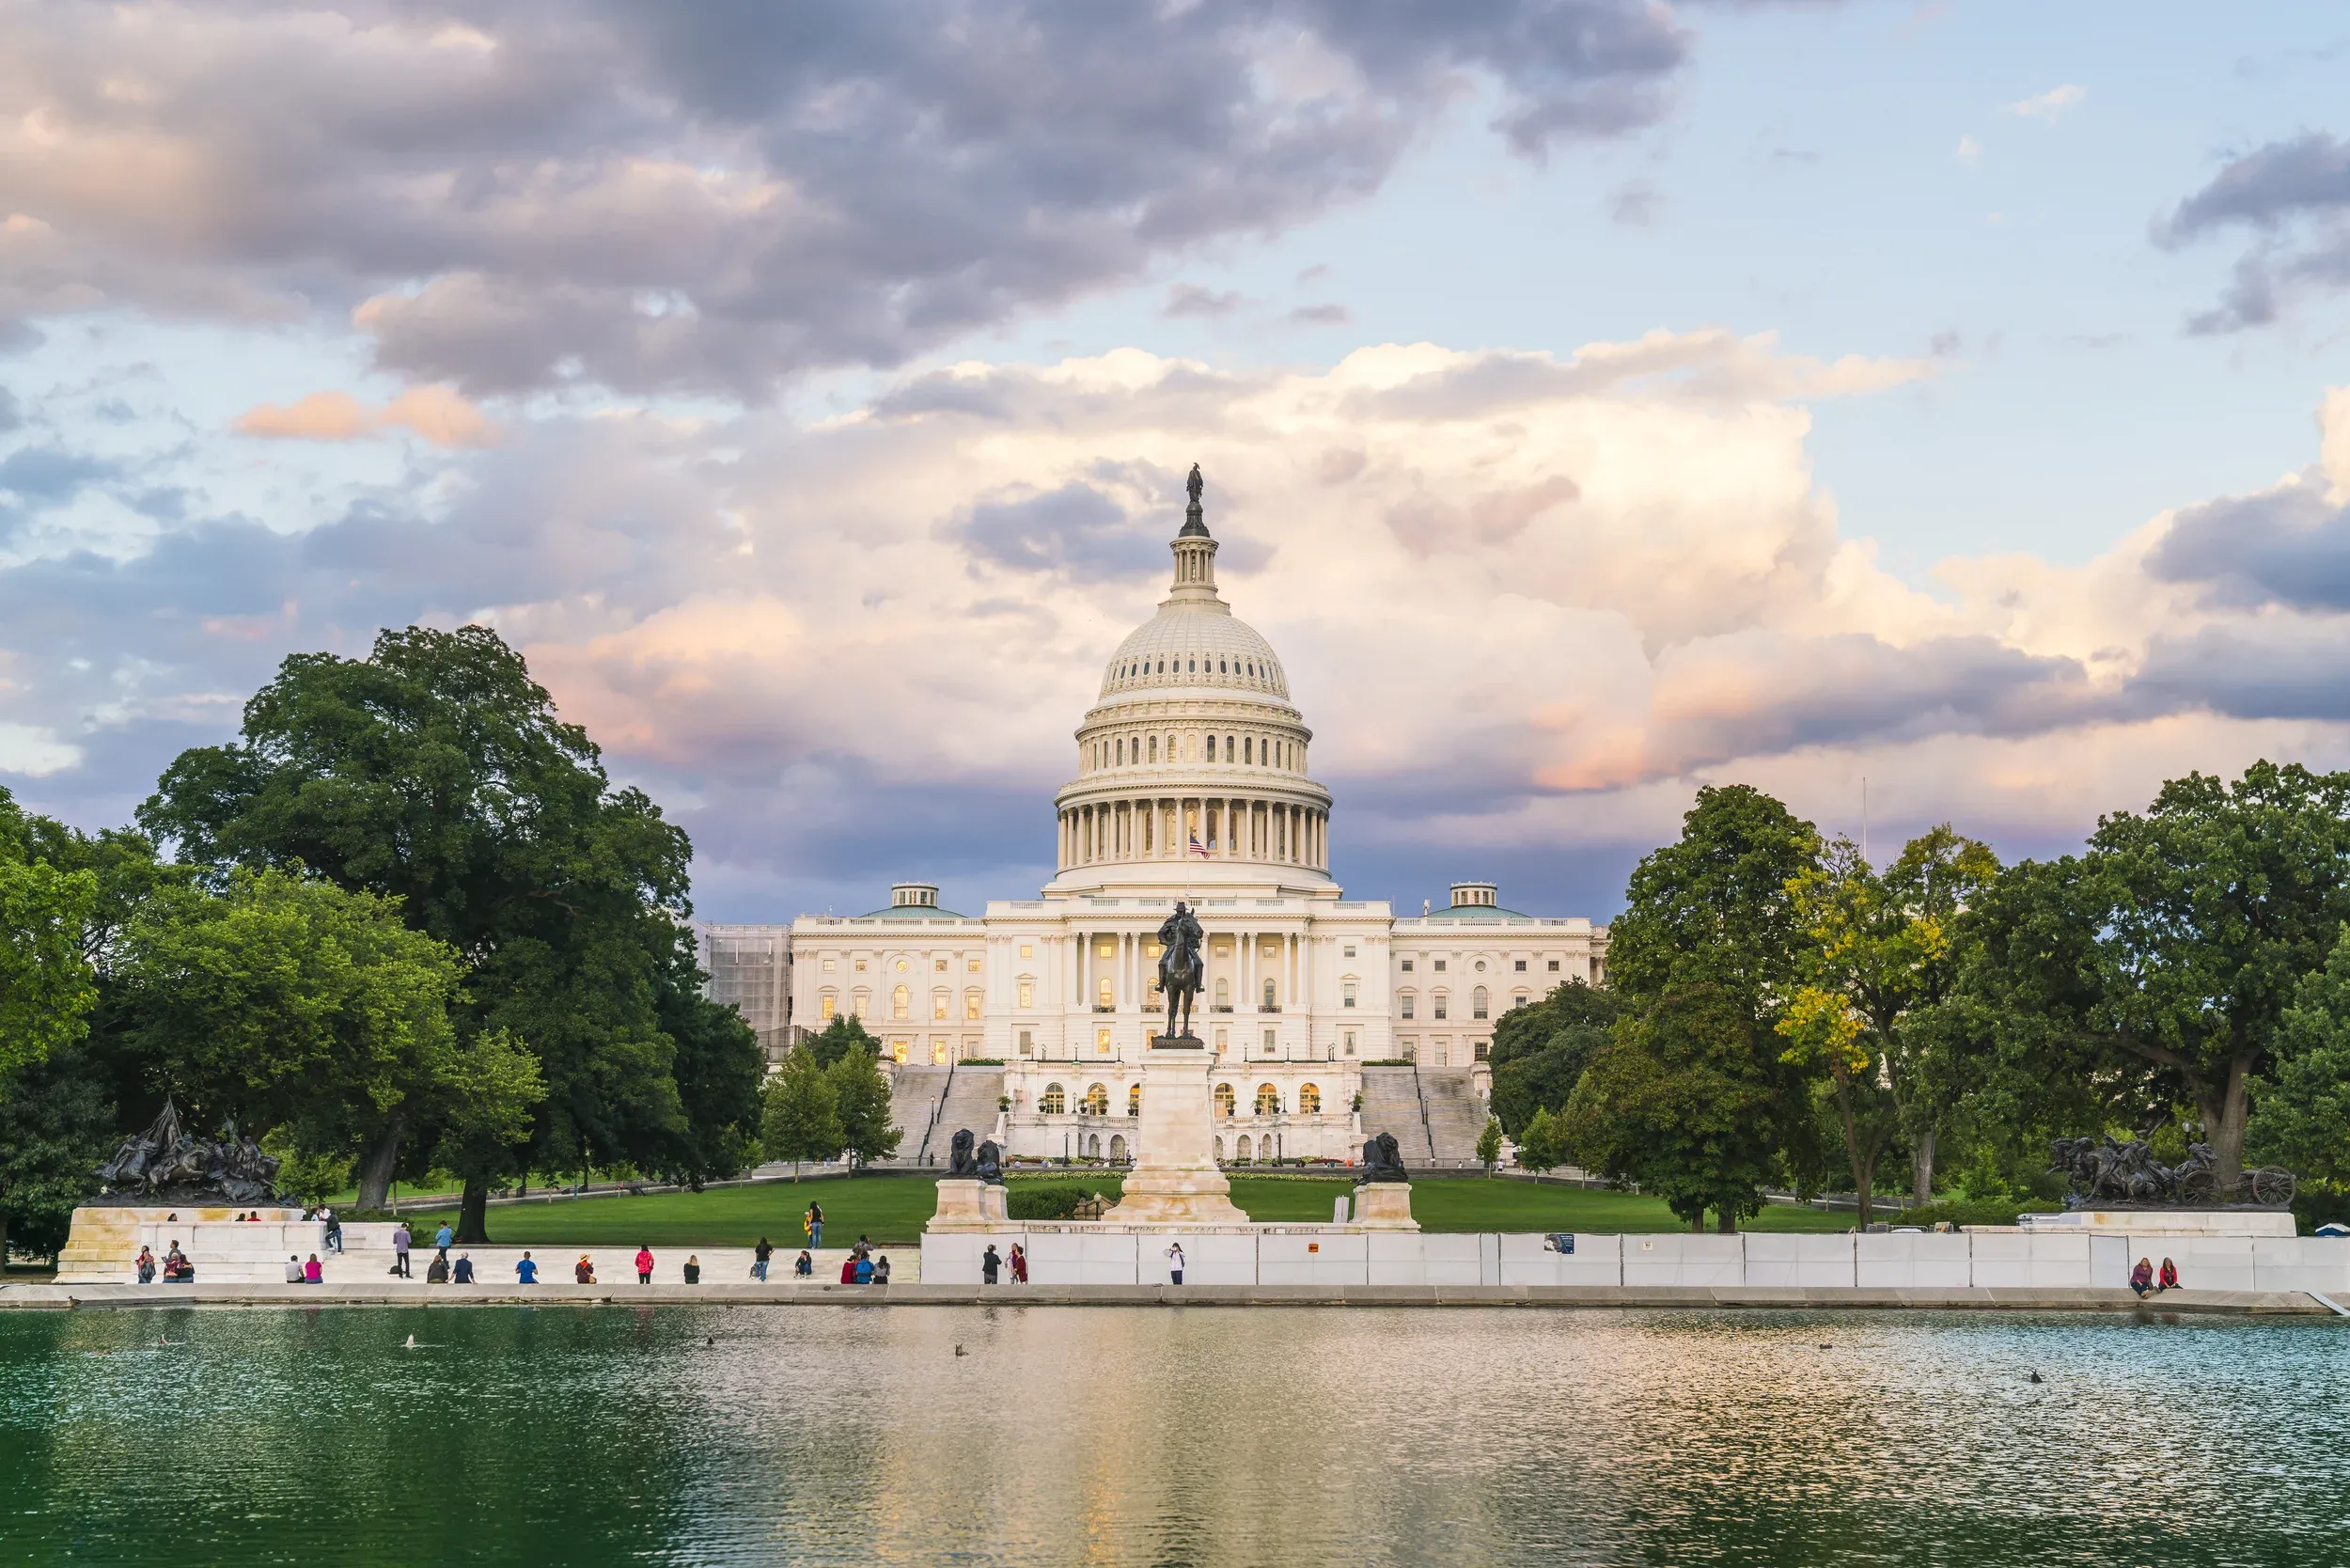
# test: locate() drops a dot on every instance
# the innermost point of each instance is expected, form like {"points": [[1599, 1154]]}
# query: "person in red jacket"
{"points": [[644, 1265], [848, 1269]]}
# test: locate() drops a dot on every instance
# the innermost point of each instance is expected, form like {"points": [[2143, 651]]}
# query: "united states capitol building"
{"points": [[1193, 781]]}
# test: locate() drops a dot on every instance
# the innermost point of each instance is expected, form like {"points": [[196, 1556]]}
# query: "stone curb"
{"points": [[61, 1297]]}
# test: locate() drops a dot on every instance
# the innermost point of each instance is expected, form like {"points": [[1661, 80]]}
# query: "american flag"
{"points": [[1196, 848]]}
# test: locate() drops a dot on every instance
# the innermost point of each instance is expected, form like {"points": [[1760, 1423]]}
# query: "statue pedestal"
{"points": [[1384, 1206], [965, 1203], [1175, 1180]]}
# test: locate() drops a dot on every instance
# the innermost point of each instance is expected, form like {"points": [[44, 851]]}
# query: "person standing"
{"points": [[644, 1265], [334, 1230], [1175, 1263], [1019, 1266], [443, 1236], [400, 1250], [814, 1224], [989, 1264], [760, 1255], [526, 1272]]}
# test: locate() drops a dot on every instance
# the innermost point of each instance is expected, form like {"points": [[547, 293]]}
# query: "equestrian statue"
{"points": [[1180, 965]]}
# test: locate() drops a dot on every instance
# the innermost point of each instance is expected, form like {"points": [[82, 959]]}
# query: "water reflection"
{"points": [[1211, 1437]]}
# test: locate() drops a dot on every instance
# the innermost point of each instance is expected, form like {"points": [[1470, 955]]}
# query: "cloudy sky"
{"points": [[1597, 399]]}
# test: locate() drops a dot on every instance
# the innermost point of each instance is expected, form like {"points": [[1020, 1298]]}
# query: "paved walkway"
{"points": [[783, 1293]]}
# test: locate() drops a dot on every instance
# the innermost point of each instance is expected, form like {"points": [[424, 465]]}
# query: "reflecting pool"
{"points": [[595, 1435]]}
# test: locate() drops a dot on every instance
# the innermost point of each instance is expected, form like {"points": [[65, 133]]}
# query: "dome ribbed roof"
{"points": [[1194, 647]]}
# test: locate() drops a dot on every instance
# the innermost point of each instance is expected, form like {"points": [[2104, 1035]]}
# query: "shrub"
{"points": [[1044, 1200]]}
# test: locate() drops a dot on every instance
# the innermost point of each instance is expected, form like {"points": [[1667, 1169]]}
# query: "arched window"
{"points": [[1308, 1100], [1243, 1156], [1054, 1102], [1228, 749], [1224, 1099], [1154, 748], [1249, 748], [1212, 749], [1107, 994], [1268, 1100], [938, 1006], [1122, 751], [1270, 1000], [1133, 1100], [1403, 1002], [824, 1006], [1097, 1101], [1477, 1002], [1224, 992], [900, 1001], [971, 1000]]}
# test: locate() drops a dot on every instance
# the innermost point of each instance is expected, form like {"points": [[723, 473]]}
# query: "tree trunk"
{"points": [[2224, 1115], [1922, 1168], [1864, 1168], [1696, 1223], [376, 1167], [473, 1213], [1864, 1181], [1726, 1221]]}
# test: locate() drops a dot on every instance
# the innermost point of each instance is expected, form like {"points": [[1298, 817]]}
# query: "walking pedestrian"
{"points": [[760, 1255], [1019, 1266], [443, 1236], [400, 1250], [1175, 1263], [644, 1265], [989, 1264], [334, 1230], [813, 1222], [526, 1272]]}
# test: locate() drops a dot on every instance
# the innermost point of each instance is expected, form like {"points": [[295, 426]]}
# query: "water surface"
{"points": [[1214, 1435]]}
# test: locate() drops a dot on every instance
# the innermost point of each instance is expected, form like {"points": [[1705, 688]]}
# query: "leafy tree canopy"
{"points": [[1713, 907], [46, 980], [844, 1035], [1539, 1051], [2302, 1118]]}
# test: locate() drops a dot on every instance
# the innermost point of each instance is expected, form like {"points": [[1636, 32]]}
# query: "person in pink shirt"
{"points": [[311, 1273], [644, 1265]]}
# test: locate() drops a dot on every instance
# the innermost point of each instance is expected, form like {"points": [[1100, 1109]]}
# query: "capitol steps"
{"points": [[1456, 1113], [914, 1095], [970, 1102], [1391, 1105]]}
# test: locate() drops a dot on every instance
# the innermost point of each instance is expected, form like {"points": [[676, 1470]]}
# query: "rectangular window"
{"points": [[1440, 1001], [1027, 950], [1028, 992], [1105, 951], [1554, 966], [938, 1006], [1347, 995], [1102, 1042], [972, 966], [1268, 1043], [830, 964], [824, 1012], [1407, 965], [1480, 1048], [1028, 1042], [970, 1007], [1350, 952], [860, 966], [1440, 965], [1521, 965], [1406, 1000]]}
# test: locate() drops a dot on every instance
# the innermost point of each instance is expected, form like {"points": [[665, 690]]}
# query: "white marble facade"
{"points": [[1191, 783]]}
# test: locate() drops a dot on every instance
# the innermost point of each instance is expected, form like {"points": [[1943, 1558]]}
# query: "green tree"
{"points": [[860, 1097], [1489, 1143], [287, 1002], [2301, 1117], [1688, 1101], [799, 1118], [2158, 965], [717, 1065], [435, 771], [1540, 1051], [56, 1127], [1714, 907], [1883, 951], [1538, 1144], [838, 1039], [46, 983]]}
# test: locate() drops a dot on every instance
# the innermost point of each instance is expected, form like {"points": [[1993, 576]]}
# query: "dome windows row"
{"points": [[1127, 751], [1255, 672]]}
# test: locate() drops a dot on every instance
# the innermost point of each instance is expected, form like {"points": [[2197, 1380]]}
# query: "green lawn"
{"points": [[892, 1208]]}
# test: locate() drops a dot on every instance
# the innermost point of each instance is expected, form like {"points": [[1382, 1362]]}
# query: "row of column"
{"points": [[1166, 828], [1134, 967]]}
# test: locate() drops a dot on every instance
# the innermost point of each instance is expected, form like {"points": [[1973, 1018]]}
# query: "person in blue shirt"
{"points": [[526, 1272], [465, 1269], [865, 1271], [442, 1237]]}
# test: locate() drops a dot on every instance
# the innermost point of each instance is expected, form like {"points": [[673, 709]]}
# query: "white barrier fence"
{"points": [[1073, 1255]]}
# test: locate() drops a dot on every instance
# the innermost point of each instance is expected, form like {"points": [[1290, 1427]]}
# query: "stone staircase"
{"points": [[1391, 1105], [915, 1093], [970, 1102], [1456, 1113]]}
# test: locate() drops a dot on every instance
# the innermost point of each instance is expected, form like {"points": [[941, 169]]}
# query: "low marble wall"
{"points": [[1073, 1254]]}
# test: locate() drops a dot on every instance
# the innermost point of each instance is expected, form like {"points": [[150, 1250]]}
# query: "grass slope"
{"points": [[892, 1208]]}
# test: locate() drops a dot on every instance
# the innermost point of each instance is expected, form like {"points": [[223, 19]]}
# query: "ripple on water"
{"points": [[707, 1435]]}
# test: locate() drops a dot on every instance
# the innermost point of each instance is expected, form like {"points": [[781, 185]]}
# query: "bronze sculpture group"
{"points": [[2105, 1172], [168, 1163]]}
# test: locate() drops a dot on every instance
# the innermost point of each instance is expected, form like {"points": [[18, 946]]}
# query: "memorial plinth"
{"points": [[1175, 1180], [967, 1203], [1384, 1206]]}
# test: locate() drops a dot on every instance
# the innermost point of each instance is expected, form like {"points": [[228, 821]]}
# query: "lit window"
{"points": [[971, 965], [1224, 1099], [823, 1008], [1097, 1101], [1308, 1100], [1105, 951], [1028, 991], [1102, 1042], [1107, 999], [938, 1051], [901, 965], [1268, 1100], [860, 966], [970, 1007], [1133, 1100], [900, 1001], [1055, 1100], [938, 1006], [830, 964], [939, 965]]}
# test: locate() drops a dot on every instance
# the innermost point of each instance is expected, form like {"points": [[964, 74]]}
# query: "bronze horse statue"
{"points": [[1181, 968]]}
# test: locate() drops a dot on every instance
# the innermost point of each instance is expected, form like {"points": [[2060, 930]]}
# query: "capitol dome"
{"points": [[1193, 751]]}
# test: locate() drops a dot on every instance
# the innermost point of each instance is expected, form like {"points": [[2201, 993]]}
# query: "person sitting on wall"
{"points": [[2170, 1280], [461, 1272], [311, 1273], [583, 1271], [804, 1267], [2142, 1277], [848, 1269]]}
